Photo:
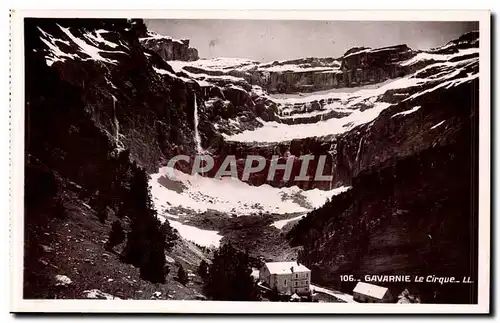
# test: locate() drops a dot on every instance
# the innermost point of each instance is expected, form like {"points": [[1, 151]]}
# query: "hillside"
{"points": [[394, 127]]}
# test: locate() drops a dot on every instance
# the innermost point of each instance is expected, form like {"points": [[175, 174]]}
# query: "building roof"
{"points": [[285, 267], [370, 290]]}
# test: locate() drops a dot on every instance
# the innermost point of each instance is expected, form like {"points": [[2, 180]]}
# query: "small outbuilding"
{"points": [[369, 293]]}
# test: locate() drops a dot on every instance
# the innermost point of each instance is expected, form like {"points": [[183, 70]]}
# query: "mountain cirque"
{"points": [[398, 127]]}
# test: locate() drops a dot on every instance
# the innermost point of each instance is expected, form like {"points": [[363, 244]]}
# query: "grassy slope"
{"points": [[74, 247]]}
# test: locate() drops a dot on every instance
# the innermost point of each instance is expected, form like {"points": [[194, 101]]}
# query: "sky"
{"points": [[270, 40]]}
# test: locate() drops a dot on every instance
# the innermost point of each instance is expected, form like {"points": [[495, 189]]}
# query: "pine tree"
{"points": [[274, 295], [182, 275], [170, 236], [203, 269], [153, 264], [229, 277], [145, 247], [59, 209], [116, 235], [102, 214]]}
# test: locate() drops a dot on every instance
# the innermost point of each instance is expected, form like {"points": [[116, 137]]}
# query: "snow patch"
{"points": [[178, 66], [437, 124], [281, 223], [165, 72], [153, 35], [88, 49], [56, 54], [227, 195], [298, 69], [230, 195], [221, 63], [277, 132], [403, 113], [97, 38], [423, 56], [206, 238], [316, 199]]}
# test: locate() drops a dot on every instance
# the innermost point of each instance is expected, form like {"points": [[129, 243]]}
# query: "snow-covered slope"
{"points": [[93, 45], [197, 194], [227, 64], [365, 105]]}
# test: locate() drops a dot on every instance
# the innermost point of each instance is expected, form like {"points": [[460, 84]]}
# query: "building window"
{"points": [[296, 275], [295, 283], [284, 283]]}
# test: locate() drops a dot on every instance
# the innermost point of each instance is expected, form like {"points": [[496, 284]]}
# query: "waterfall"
{"points": [[118, 143], [117, 125], [331, 182], [333, 152], [197, 138]]}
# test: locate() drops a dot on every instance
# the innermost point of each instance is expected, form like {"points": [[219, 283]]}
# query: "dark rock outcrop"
{"points": [[413, 204], [468, 40], [359, 66], [168, 48], [368, 66]]}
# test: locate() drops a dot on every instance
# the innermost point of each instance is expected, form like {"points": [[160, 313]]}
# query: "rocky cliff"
{"points": [[98, 72], [100, 109], [411, 210], [333, 125], [168, 48]]}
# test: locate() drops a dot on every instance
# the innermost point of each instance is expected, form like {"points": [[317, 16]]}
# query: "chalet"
{"points": [[287, 277], [369, 293]]}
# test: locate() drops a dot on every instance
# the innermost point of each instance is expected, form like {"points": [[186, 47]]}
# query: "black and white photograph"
{"points": [[263, 160]]}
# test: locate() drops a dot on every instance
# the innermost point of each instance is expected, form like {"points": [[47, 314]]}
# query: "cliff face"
{"points": [[359, 66], [393, 133], [368, 66], [168, 48], [126, 94], [411, 210]]}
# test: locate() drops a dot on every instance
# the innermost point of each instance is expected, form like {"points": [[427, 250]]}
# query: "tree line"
{"points": [[228, 276], [126, 189]]}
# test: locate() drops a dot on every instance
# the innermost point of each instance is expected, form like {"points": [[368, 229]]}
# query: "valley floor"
{"points": [[209, 211]]}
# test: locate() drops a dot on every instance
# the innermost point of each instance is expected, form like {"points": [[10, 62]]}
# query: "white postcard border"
{"points": [[18, 304]]}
